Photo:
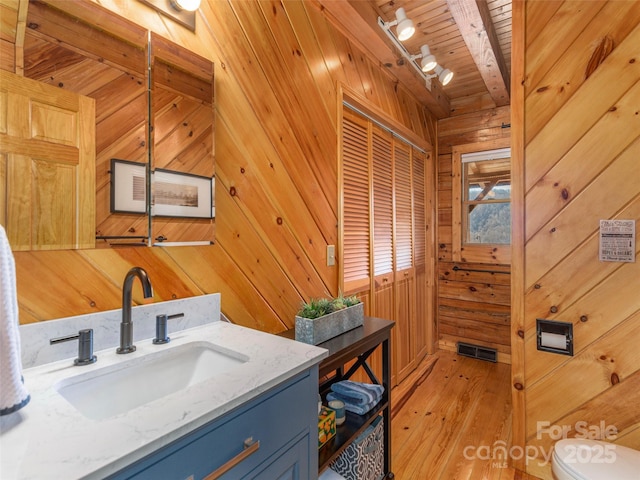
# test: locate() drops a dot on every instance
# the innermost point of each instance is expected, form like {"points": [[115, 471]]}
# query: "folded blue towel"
{"points": [[350, 407], [357, 393]]}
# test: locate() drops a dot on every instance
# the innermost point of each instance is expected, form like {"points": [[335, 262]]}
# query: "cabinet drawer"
{"points": [[290, 464], [273, 419]]}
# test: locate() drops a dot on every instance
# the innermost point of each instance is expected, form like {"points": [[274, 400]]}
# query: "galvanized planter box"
{"points": [[318, 330]]}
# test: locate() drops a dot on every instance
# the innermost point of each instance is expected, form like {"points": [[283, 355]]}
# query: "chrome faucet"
{"points": [[126, 327]]}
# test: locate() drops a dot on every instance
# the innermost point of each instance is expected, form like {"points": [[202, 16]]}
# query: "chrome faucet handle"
{"points": [[161, 327], [85, 346]]}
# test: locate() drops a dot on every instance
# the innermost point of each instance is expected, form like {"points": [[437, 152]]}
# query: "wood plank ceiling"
{"points": [[472, 39]]}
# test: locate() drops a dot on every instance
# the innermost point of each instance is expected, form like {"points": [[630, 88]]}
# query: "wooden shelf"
{"points": [[356, 344], [353, 426]]}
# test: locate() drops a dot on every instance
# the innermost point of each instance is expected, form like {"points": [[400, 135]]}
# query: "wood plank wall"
{"points": [[473, 306], [581, 151], [277, 70]]}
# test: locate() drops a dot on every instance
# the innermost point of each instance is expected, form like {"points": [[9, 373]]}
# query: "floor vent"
{"points": [[476, 351]]}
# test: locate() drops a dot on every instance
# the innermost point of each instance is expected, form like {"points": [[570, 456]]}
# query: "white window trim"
{"points": [[495, 154]]}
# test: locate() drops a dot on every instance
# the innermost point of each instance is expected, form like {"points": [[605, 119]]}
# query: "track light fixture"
{"points": [[428, 61], [444, 75], [404, 27]]}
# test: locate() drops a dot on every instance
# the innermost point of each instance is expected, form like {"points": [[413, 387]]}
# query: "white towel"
{"points": [[13, 394]]}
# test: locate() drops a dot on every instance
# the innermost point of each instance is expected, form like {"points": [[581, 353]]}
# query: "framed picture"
{"points": [[176, 194], [128, 186]]}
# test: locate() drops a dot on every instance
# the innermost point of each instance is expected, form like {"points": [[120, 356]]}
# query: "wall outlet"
{"points": [[331, 255]]}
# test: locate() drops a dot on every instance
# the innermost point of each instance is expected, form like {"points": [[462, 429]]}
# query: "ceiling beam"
{"points": [[358, 21], [474, 22], [21, 28]]}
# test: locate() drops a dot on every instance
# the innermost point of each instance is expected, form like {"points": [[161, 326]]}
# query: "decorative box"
{"points": [[326, 425], [363, 459]]}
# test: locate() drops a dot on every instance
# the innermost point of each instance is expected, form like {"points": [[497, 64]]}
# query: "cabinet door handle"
{"points": [[250, 447]]}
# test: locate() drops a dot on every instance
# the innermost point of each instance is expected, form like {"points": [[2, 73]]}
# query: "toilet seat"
{"points": [[585, 459]]}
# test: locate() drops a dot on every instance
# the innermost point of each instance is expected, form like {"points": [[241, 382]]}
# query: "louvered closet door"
{"points": [[382, 222], [404, 283], [421, 318], [384, 234], [356, 217], [382, 241]]}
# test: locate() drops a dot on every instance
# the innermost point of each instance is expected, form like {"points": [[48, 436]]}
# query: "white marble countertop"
{"points": [[49, 438]]}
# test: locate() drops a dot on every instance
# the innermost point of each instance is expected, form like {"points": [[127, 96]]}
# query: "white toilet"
{"points": [[584, 459]]}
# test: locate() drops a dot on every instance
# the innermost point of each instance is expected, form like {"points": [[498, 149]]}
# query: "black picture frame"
{"points": [[128, 190], [178, 194]]}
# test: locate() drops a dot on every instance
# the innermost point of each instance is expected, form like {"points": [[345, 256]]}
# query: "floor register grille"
{"points": [[477, 351]]}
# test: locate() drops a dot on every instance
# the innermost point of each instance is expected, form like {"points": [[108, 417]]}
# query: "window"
{"points": [[481, 227], [486, 179]]}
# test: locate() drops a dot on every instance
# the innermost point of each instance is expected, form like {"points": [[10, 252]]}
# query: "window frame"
{"points": [[498, 254]]}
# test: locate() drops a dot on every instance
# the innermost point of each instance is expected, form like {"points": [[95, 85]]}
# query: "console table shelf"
{"points": [[357, 344]]}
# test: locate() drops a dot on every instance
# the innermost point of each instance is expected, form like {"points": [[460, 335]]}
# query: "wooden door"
{"points": [[356, 250], [404, 272], [356, 223], [47, 151], [422, 319], [384, 234], [382, 228]]}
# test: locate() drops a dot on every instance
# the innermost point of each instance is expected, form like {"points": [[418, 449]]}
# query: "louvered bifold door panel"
{"points": [[382, 222], [404, 284], [382, 202], [403, 206], [356, 218], [380, 299], [382, 183], [419, 207], [422, 317]]}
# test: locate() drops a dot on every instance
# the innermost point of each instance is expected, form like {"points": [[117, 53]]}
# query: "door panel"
{"points": [[47, 144]]}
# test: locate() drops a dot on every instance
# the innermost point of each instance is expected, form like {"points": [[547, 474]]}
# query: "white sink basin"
{"points": [[109, 391]]}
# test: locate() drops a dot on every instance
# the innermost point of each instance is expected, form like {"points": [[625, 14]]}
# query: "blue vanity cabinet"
{"points": [[283, 420]]}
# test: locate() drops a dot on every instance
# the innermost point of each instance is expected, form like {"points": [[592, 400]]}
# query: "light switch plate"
{"points": [[331, 255]]}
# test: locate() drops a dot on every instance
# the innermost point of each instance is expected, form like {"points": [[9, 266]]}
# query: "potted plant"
{"points": [[323, 318]]}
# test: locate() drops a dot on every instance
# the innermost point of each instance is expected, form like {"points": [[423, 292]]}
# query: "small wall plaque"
{"points": [[617, 241]]}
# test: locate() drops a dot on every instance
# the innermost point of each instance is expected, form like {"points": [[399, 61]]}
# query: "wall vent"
{"points": [[476, 351]]}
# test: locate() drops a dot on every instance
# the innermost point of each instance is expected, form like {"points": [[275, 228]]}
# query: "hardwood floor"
{"points": [[453, 423]]}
